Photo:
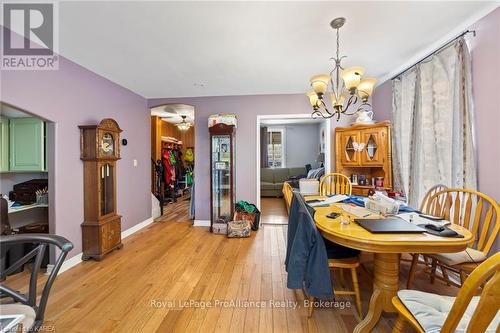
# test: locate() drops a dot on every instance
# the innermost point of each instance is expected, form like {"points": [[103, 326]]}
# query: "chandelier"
{"points": [[183, 125], [346, 84]]}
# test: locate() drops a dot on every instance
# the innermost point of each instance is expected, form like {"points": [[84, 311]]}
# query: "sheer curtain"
{"points": [[433, 139]]}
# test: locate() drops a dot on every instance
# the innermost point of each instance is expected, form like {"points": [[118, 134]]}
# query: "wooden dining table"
{"points": [[387, 249]]}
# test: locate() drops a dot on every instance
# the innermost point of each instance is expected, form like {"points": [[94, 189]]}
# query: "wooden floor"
{"points": [[160, 278], [273, 211]]}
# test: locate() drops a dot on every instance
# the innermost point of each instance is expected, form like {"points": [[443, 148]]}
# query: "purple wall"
{"points": [[73, 96], [246, 108], [485, 49], [382, 101]]}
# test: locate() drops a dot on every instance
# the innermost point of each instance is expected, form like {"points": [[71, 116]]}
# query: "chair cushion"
{"points": [[452, 259], [20, 309], [431, 310]]}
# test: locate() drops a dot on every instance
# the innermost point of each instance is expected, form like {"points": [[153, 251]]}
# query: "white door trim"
{"points": [[328, 140]]}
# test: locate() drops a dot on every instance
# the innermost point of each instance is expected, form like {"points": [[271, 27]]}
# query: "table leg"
{"points": [[385, 287]]}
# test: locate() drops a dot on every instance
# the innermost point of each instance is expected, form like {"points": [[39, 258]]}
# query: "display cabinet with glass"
{"points": [[365, 151], [222, 192], [99, 151]]}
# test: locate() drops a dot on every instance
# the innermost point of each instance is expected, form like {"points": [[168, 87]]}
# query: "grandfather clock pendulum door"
{"points": [[101, 229], [222, 176]]}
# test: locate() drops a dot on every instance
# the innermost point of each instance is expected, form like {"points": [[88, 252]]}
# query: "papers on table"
{"points": [[359, 212], [329, 201], [416, 219]]}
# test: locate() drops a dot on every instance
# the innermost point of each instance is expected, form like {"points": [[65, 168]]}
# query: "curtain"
{"points": [[264, 163], [433, 139]]}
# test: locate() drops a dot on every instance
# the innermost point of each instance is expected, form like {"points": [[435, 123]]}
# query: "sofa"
{"points": [[272, 179]]}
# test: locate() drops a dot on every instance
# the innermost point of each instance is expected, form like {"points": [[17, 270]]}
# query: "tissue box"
{"points": [[382, 206], [309, 186]]}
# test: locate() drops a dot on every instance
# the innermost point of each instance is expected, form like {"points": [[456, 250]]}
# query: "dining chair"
{"points": [[351, 264], [415, 257], [287, 195], [335, 183], [472, 210], [433, 190], [32, 305], [427, 312]]}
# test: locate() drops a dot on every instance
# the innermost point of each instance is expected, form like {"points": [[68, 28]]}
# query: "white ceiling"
{"points": [[179, 49], [172, 113]]}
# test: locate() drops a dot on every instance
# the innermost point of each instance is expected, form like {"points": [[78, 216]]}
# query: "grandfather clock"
{"points": [[99, 151]]}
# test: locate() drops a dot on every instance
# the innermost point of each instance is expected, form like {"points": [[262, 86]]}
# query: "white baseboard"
{"points": [[136, 227], [75, 260], [201, 223], [70, 263]]}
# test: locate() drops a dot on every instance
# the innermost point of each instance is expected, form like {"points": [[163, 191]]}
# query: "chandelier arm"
{"points": [[364, 106], [318, 112], [349, 102]]}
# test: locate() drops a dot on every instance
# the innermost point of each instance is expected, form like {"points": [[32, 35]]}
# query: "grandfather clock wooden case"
{"points": [[100, 149]]}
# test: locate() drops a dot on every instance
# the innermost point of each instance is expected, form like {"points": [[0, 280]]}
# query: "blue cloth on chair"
{"points": [[306, 257]]}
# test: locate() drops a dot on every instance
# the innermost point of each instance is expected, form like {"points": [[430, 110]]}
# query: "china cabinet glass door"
{"points": [[221, 177], [350, 145], [373, 150]]}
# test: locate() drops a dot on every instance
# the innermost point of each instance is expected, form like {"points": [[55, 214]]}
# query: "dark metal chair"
{"points": [[27, 304]]}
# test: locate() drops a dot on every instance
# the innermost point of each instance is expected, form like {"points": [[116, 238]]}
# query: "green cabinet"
{"points": [[26, 144], [4, 144]]}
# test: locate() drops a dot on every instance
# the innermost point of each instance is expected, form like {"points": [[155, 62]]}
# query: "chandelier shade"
{"points": [[352, 76], [313, 99], [365, 88], [319, 83]]}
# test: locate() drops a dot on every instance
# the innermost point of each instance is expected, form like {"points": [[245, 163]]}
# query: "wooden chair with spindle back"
{"points": [[415, 256], [335, 183], [442, 314], [474, 211], [433, 190], [287, 195]]}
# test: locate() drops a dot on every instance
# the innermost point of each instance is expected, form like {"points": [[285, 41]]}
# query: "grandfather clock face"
{"points": [[107, 144]]}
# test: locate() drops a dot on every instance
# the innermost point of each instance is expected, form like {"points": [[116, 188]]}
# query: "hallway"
{"points": [[273, 211]]}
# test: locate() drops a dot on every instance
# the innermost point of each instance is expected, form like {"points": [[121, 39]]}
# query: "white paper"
{"points": [[414, 218]]}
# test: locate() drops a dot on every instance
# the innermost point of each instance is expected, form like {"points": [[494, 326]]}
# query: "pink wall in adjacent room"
{"points": [[246, 108], [73, 96], [485, 49]]}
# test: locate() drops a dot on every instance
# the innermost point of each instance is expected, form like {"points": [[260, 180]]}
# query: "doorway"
{"points": [[26, 177], [289, 147], [172, 162]]}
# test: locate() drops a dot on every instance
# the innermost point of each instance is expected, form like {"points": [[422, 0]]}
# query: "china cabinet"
{"points": [[99, 151], [222, 173], [365, 150]]}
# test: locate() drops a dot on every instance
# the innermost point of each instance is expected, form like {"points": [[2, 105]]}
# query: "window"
{"points": [[276, 148]]}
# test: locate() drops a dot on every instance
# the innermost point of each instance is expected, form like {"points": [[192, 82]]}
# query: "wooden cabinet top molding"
{"points": [[385, 123]]}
